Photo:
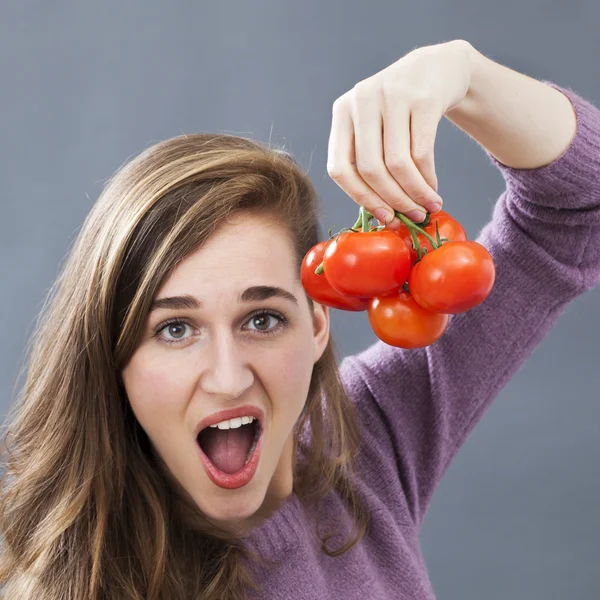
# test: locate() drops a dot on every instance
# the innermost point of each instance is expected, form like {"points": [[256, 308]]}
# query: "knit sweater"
{"points": [[418, 407]]}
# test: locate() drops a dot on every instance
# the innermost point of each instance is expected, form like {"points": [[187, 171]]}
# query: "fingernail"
{"points": [[416, 215], [434, 207], [383, 216]]}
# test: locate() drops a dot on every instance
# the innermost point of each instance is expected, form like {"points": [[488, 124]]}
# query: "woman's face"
{"points": [[223, 354]]}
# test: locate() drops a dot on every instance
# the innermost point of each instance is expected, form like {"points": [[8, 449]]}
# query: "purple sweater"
{"points": [[545, 240]]}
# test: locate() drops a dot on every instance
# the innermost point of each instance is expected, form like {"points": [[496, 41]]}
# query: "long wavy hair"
{"points": [[86, 511]]}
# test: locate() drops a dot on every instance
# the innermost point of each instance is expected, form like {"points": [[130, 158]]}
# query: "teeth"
{"points": [[234, 423]]}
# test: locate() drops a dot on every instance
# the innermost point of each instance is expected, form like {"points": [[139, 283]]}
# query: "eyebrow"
{"points": [[251, 294]]}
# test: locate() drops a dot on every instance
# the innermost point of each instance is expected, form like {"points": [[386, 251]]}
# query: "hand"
{"points": [[383, 131]]}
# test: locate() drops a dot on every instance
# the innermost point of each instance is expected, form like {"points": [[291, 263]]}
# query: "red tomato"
{"points": [[366, 264], [399, 321], [454, 278], [448, 227], [319, 289]]}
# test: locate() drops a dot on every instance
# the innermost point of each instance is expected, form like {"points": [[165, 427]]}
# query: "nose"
{"points": [[227, 372]]}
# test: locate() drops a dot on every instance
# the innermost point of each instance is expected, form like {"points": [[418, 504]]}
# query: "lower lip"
{"points": [[231, 481]]}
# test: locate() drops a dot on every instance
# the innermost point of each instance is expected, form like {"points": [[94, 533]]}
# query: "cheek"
{"points": [[155, 391], [290, 376]]}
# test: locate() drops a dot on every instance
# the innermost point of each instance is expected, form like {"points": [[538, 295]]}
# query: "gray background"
{"points": [[85, 87]]}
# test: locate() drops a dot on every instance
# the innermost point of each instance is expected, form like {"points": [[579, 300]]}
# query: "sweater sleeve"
{"points": [[544, 237]]}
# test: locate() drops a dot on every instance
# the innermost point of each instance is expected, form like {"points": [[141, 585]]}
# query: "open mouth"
{"points": [[230, 448]]}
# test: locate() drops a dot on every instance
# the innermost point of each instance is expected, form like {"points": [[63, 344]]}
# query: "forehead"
{"points": [[245, 251]]}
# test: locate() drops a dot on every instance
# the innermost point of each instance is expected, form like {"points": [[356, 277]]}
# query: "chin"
{"points": [[231, 508]]}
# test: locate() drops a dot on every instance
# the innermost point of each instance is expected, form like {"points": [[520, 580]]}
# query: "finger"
{"points": [[424, 121], [341, 166], [398, 159], [368, 148]]}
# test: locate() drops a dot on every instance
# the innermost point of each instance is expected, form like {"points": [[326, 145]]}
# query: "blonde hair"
{"points": [[86, 512]]}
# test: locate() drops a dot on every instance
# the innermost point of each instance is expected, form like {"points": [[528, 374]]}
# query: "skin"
{"points": [[223, 361], [381, 145]]}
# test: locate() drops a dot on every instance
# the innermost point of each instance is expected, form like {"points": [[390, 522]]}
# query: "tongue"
{"points": [[227, 448]]}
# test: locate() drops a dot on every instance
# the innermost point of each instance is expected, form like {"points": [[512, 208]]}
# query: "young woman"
{"points": [[184, 430]]}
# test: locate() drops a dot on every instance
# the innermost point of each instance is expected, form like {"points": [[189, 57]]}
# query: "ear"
{"points": [[321, 326]]}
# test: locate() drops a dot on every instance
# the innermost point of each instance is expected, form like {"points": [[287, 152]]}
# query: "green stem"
{"points": [[366, 218], [437, 234], [415, 242], [413, 227]]}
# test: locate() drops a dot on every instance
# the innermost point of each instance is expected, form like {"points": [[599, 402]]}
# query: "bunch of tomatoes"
{"points": [[409, 280]]}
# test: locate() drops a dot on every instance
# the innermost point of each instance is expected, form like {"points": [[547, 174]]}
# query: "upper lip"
{"points": [[231, 413]]}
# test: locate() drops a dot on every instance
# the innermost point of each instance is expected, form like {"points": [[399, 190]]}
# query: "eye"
{"points": [[264, 317], [168, 326]]}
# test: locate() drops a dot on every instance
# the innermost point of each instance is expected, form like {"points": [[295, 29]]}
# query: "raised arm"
{"points": [[522, 122], [544, 237]]}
